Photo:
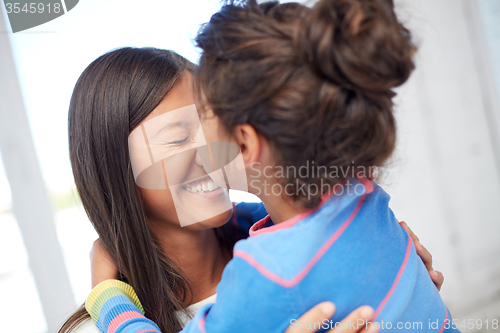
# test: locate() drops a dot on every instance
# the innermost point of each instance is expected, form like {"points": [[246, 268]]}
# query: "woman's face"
{"points": [[183, 194]]}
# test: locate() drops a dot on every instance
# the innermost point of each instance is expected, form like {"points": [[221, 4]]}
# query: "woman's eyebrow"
{"points": [[180, 123]]}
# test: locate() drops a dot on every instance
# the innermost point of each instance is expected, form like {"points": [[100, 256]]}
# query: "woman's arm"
{"points": [[102, 265]]}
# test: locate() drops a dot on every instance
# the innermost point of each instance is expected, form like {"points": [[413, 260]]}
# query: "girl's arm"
{"points": [[104, 268], [115, 308], [111, 304], [106, 313]]}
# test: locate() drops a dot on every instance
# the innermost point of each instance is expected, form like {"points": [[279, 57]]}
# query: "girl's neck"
{"points": [[281, 208], [199, 256]]}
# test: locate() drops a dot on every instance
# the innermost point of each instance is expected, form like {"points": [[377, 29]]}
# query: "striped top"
{"points": [[113, 302], [350, 250]]}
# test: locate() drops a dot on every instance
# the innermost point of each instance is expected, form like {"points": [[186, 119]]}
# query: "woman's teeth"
{"points": [[206, 186]]}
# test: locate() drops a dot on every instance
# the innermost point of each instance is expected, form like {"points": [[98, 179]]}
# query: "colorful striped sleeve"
{"points": [[115, 308]]}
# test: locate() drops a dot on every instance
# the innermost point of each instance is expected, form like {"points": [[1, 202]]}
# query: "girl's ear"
{"points": [[251, 144]]}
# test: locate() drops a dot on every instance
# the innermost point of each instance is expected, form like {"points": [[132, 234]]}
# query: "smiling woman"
{"points": [[114, 95]]}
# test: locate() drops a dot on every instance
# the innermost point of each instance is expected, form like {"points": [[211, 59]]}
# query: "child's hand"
{"points": [[102, 265], [321, 313], [425, 255]]}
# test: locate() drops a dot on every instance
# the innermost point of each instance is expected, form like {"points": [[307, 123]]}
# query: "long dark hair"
{"points": [[111, 97], [315, 82]]}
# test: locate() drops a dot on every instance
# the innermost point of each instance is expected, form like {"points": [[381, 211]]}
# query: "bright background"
{"points": [[444, 180]]}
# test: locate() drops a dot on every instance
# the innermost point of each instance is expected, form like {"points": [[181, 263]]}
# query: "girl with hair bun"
{"points": [[300, 88]]}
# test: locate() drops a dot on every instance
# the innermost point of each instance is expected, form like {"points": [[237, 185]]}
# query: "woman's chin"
{"points": [[214, 221], [206, 208]]}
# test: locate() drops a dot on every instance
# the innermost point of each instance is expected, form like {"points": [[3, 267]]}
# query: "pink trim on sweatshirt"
{"points": [[295, 280], [256, 229]]}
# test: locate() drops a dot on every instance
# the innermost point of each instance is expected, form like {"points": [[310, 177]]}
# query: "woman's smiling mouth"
{"points": [[199, 186]]}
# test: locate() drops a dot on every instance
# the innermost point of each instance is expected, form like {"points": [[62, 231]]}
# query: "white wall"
{"points": [[444, 180]]}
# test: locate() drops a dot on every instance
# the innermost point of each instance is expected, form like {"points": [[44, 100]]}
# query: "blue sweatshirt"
{"points": [[350, 250]]}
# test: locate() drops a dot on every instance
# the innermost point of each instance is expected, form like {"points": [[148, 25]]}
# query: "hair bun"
{"points": [[357, 44]]}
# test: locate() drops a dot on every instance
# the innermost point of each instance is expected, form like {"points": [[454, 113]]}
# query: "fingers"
{"points": [[422, 252], [426, 256], [317, 314], [353, 323], [356, 322], [405, 226], [437, 278]]}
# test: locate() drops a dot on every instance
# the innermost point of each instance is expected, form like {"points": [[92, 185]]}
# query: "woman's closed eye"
{"points": [[179, 142]]}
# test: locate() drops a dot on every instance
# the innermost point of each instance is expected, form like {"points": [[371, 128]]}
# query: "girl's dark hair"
{"points": [[315, 82], [112, 96]]}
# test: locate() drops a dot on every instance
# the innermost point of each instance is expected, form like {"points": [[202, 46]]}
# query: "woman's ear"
{"points": [[251, 144]]}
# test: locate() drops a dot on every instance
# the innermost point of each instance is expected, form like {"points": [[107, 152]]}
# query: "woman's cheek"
{"points": [[177, 167], [160, 205]]}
